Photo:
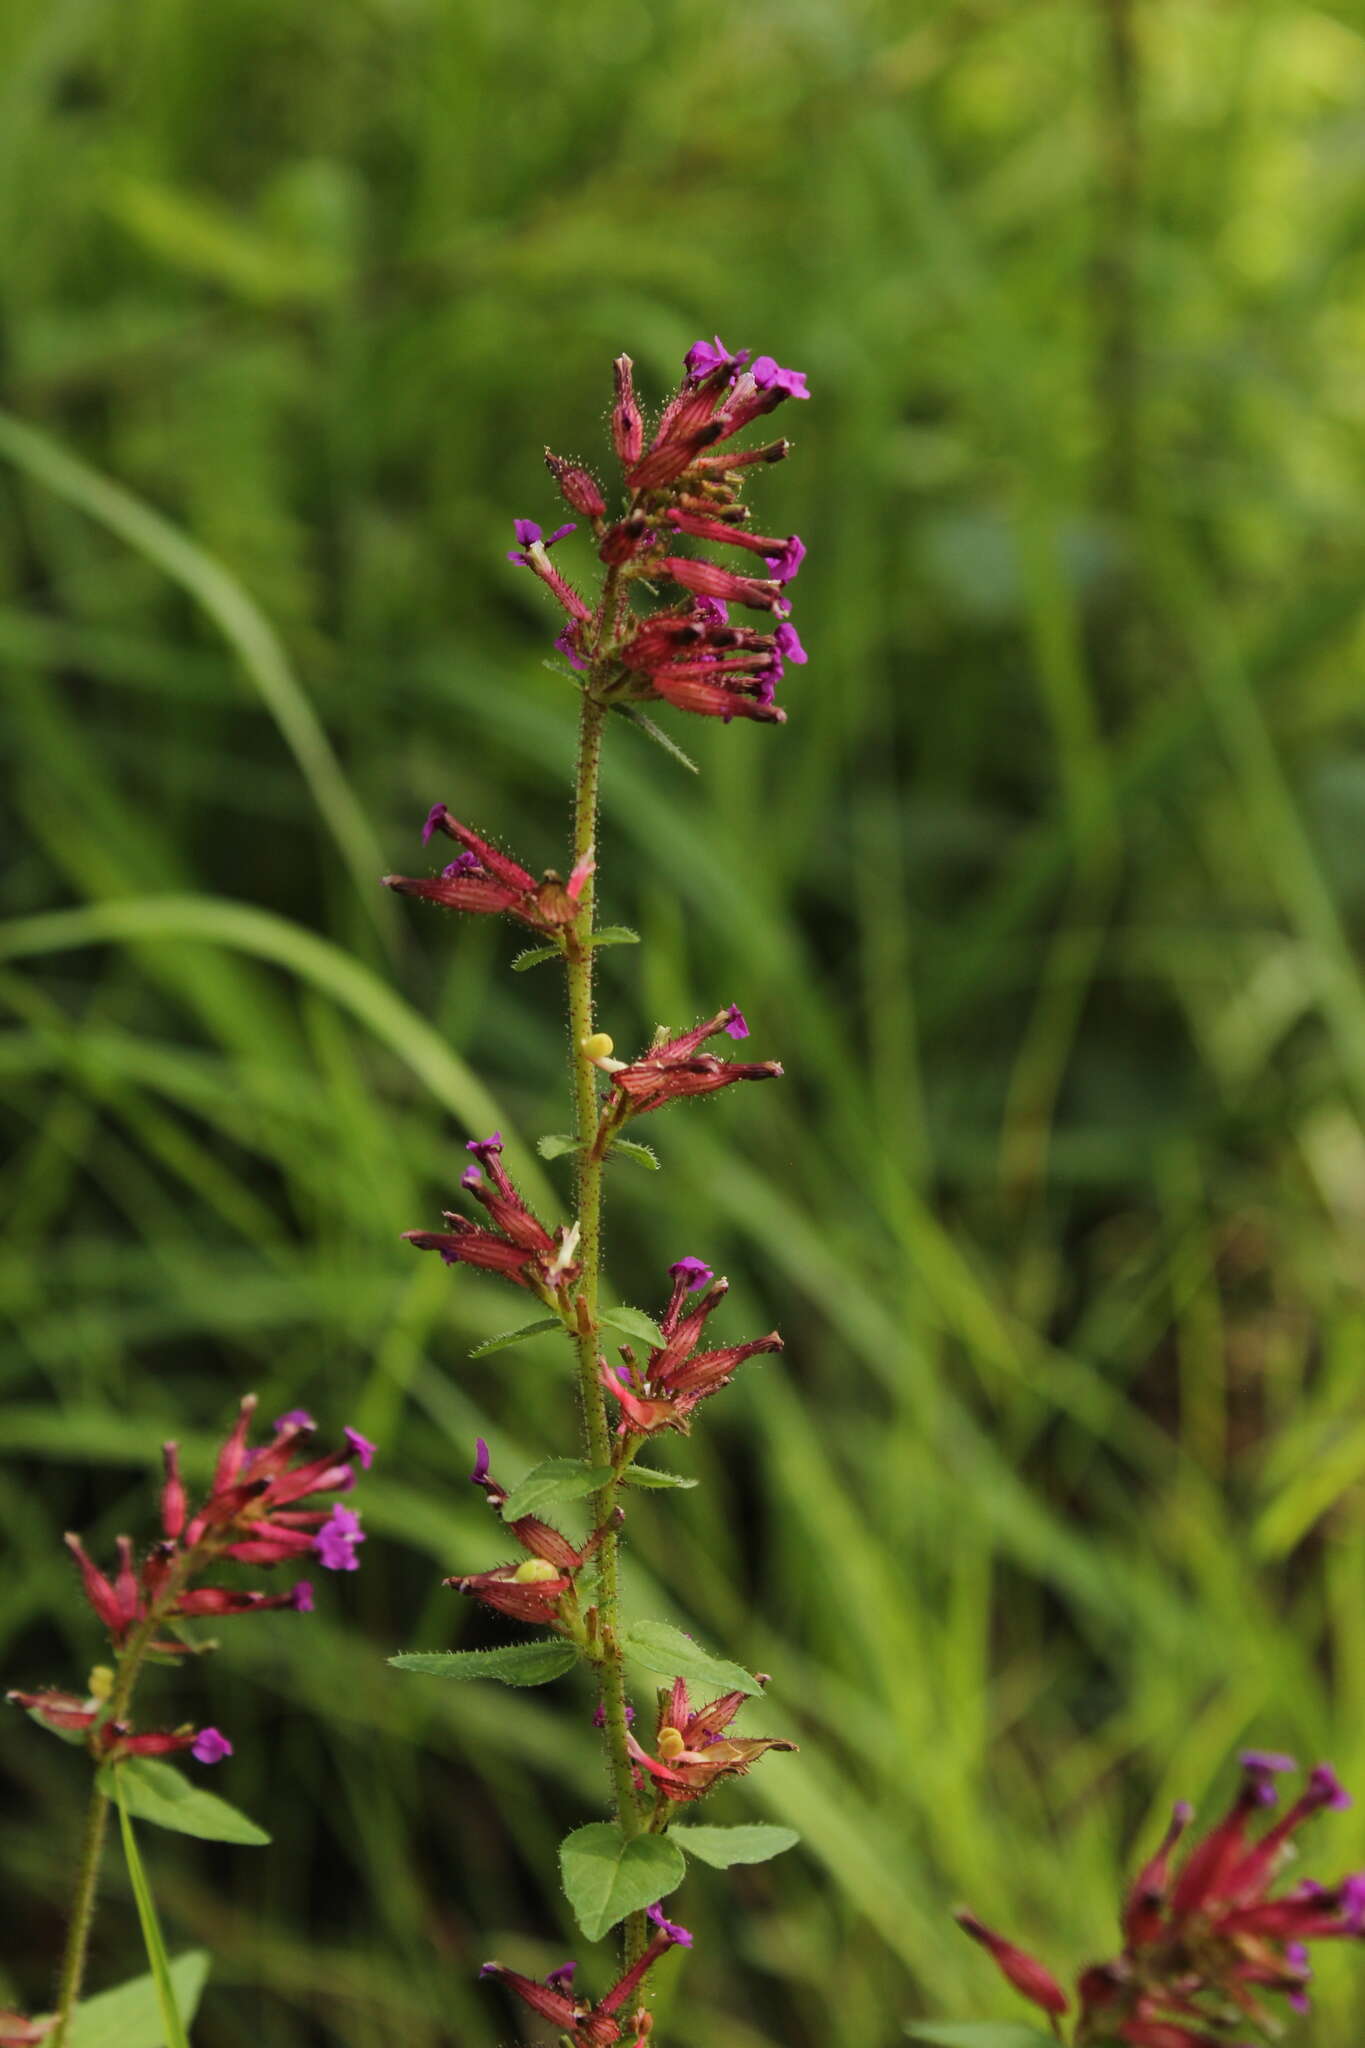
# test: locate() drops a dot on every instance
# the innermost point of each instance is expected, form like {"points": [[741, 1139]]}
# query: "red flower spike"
{"points": [[533, 1589], [692, 1751], [520, 1248], [674, 1067], [1030, 1978], [595, 2025]]}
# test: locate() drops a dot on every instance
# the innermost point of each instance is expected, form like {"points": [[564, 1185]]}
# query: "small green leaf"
{"points": [[152, 1790], [657, 734], [556, 1145], [720, 1847], [556, 1479], [633, 1322], [172, 2026], [512, 1664], [644, 1155], [978, 2034], [605, 1876], [535, 956], [130, 2015], [511, 1337], [650, 1475], [660, 1647], [615, 935]]}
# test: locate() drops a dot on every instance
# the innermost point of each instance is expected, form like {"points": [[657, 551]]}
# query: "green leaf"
{"points": [[535, 956], [512, 1664], [754, 1842], [660, 1647], [172, 2026], [556, 1479], [644, 1155], [511, 1337], [650, 1476], [556, 1145], [978, 2034], [155, 1791], [605, 1876], [615, 935], [130, 2015], [657, 734], [632, 1322]]}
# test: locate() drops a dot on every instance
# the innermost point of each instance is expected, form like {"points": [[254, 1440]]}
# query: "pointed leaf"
{"points": [[753, 1842], [556, 1479], [978, 2034], [615, 935], [130, 2016], [662, 1648], [510, 1664], [657, 734], [650, 1476], [556, 1144], [632, 1322], [155, 1791], [605, 1876], [644, 1155], [511, 1337], [535, 956], [172, 2026]]}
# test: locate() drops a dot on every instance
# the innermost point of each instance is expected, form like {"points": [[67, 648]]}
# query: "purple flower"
{"points": [[1353, 1903], [766, 373], [785, 565], [210, 1746], [696, 1272], [705, 356], [362, 1447], [463, 864], [737, 1026], [1326, 1789], [562, 1979], [599, 1716], [482, 1147], [787, 645], [714, 609], [301, 1599], [678, 1935], [297, 1418], [480, 1472], [566, 646], [1296, 1955], [433, 822], [529, 535], [337, 1540]]}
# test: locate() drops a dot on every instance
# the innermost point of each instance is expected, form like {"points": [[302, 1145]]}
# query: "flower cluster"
{"points": [[536, 1588], [1207, 1943], [661, 1393], [596, 2025], [256, 1511], [692, 1751], [481, 878], [676, 1067], [519, 1246]]}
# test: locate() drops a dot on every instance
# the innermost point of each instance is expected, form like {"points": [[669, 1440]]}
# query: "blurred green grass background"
{"points": [[1049, 898]]}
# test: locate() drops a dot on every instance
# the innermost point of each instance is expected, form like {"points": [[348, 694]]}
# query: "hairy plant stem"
{"points": [[127, 1669], [596, 1426]]}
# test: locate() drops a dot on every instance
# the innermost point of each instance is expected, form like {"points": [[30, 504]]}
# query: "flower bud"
{"points": [[597, 1046], [627, 426], [577, 488], [534, 1571]]}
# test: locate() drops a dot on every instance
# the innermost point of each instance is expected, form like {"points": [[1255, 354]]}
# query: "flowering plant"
{"points": [[682, 485], [1208, 1944], [264, 1507]]}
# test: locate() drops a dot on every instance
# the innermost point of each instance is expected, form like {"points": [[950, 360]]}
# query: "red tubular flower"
{"points": [[708, 579], [519, 1247], [62, 1712], [1030, 1978], [532, 1589], [578, 488], [662, 1393], [1147, 1896], [595, 2025], [627, 426], [490, 883], [675, 1067], [691, 1750]]}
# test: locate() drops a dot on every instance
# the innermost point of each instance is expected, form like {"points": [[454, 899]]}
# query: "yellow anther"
{"points": [[597, 1046], [534, 1572], [671, 1742], [100, 1683]]}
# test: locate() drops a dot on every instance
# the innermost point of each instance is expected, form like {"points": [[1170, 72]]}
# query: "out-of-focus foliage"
{"points": [[1049, 898]]}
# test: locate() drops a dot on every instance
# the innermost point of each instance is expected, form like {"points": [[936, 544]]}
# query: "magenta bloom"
{"points": [[301, 1599], [297, 1418], [338, 1539], [705, 357], [362, 1447], [737, 1027], [210, 1746], [770, 376], [529, 536], [694, 1272]]}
